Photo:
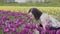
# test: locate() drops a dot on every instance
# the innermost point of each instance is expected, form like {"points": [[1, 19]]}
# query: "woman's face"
{"points": [[35, 14], [30, 14]]}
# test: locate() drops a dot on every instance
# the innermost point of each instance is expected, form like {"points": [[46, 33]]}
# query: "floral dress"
{"points": [[47, 19]]}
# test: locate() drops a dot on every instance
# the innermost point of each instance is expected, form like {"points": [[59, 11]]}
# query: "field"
{"points": [[53, 3], [54, 11]]}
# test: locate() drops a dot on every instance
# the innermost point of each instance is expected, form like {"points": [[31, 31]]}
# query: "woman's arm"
{"points": [[44, 20]]}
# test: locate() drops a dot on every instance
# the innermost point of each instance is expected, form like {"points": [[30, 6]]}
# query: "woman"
{"points": [[44, 19]]}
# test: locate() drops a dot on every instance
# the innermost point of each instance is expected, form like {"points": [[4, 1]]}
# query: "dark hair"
{"points": [[40, 25], [36, 13], [54, 28]]}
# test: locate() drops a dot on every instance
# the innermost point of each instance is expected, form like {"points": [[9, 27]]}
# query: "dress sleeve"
{"points": [[44, 20]]}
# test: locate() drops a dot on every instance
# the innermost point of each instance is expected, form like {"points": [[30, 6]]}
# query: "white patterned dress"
{"points": [[47, 19]]}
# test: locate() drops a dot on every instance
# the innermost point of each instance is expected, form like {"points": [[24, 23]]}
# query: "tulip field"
{"points": [[15, 20], [54, 11]]}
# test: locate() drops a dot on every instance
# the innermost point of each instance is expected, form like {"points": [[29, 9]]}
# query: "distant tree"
{"points": [[47, 0], [33, 1], [44, 0], [1, 1], [9, 0]]}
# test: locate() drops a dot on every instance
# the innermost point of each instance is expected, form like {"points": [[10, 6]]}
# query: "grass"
{"points": [[32, 4], [53, 3]]}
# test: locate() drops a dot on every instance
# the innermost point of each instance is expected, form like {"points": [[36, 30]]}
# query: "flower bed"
{"points": [[16, 22], [19, 23]]}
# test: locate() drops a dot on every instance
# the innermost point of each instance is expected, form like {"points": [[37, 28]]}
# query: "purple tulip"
{"points": [[20, 20], [18, 23], [4, 18], [13, 29], [31, 32], [10, 13], [28, 25], [24, 31], [2, 22], [39, 28], [9, 32], [6, 29], [1, 12], [43, 32], [33, 26], [17, 32], [47, 27], [52, 31], [0, 27], [12, 25], [58, 31]]}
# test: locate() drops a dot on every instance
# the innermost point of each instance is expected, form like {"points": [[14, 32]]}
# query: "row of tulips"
{"points": [[20, 23], [11, 22]]}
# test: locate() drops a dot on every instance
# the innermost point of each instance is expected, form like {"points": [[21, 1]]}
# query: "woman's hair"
{"points": [[36, 13], [40, 25]]}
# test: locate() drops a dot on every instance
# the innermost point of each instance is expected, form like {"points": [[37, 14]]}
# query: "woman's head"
{"points": [[35, 12]]}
